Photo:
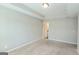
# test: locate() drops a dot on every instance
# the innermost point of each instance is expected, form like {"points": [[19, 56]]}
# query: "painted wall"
{"points": [[63, 29], [17, 28], [78, 36]]}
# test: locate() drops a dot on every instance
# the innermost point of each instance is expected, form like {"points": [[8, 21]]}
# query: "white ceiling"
{"points": [[55, 10]]}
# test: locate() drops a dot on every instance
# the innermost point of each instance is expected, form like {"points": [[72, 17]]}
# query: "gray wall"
{"points": [[78, 36], [17, 28], [63, 29]]}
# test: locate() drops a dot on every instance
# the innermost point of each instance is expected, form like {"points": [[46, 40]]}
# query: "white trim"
{"points": [[65, 42], [22, 45]]}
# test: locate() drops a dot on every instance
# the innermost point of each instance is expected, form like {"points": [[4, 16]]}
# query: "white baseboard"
{"points": [[65, 42], [22, 45]]}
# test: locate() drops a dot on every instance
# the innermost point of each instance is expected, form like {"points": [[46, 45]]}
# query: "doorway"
{"points": [[45, 30]]}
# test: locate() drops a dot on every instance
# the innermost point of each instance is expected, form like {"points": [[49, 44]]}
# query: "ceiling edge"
{"points": [[16, 8]]}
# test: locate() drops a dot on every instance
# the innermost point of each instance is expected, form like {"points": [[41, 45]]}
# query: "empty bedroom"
{"points": [[39, 28]]}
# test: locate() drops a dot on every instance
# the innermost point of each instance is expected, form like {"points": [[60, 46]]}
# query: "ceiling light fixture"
{"points": [[45, 5]]}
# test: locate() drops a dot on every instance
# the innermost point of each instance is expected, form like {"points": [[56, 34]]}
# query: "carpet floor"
{"points": [[43, 47]]}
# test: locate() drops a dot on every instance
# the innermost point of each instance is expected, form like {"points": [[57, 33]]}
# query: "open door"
{"points": [[45, 30]]}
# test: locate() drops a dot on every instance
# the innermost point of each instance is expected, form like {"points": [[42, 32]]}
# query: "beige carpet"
{"points": [[46, 48]]}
